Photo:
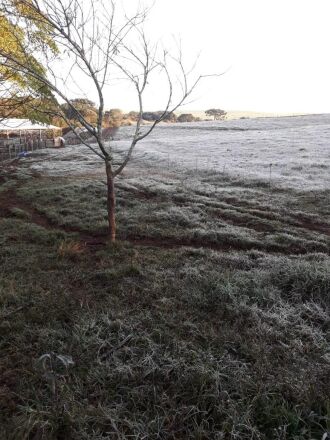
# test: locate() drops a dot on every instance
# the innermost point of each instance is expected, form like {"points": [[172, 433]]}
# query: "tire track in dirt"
{"points": [[10, 200], [322, 228]]}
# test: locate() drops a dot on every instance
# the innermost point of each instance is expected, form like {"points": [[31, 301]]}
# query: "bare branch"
{"points": [[80, 48]]}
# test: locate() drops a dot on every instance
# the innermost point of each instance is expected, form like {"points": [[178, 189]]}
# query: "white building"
{"points": [[24, 128]]}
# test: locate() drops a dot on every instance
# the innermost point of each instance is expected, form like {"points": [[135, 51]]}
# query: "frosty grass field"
{"points": [[297, 147], [292, 152], [208, 319]]}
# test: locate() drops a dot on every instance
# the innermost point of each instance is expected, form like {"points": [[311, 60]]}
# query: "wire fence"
{"points": [[13, 148], [305, 176]]}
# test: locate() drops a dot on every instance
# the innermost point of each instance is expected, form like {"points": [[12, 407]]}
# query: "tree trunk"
{"points": [[111, 202]]}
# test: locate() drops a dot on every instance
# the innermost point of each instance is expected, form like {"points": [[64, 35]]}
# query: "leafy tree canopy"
{"points": [[187, 117], [153, 116], [85, 107], [113, 117], [26, 107], [20, 38]]}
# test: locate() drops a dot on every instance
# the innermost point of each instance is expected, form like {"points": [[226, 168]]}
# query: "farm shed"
{"points": [[21, 128], [17, 135]]}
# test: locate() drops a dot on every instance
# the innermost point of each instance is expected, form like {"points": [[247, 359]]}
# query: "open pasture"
{"points": [[292, 152], [209, 319]]}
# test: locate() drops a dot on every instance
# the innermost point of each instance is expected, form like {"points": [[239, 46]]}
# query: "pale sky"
{"points": [[275, 53]]}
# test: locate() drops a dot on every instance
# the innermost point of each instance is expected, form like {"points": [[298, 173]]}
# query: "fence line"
{"points": [[11, 148]]}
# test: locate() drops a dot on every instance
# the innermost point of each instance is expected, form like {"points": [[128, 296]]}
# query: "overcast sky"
{"points": [[275, 53]]}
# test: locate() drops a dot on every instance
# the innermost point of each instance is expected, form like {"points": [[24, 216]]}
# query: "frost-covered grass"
{"points": [[166, 344], [209, 319], [292, 152], [286, 152], [204, 209]]}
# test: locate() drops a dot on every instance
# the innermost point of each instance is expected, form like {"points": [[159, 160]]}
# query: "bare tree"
{"points": [[94, 44]]}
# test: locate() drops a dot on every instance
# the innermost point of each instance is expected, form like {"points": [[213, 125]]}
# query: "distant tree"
{"points": [[217, 113], [170, 117], [80, 107], [113, 118], [167, 117], [154, 116], [186, 117], [149, 116], [132, 115]]}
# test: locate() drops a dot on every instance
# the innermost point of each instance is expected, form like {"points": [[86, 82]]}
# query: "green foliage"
{"points": [[84, 107], [27, 107], [17, 49], [24, 35]]}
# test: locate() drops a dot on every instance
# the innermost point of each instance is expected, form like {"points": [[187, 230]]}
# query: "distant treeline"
{"points": [[41, 111]]}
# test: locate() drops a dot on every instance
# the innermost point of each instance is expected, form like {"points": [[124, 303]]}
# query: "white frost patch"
{"points": [[292, 152], [72, 160]]}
